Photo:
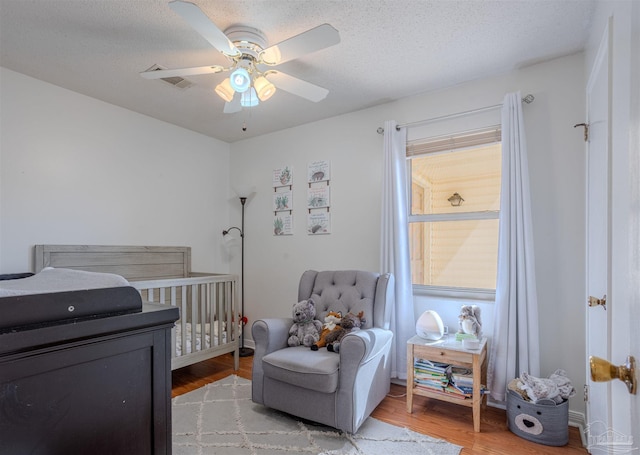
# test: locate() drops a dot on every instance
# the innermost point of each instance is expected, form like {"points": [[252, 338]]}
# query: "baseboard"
{"points": [[577, 419]]}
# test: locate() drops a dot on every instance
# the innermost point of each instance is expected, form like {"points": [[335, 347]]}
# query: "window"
{"points": [[455, 246]]}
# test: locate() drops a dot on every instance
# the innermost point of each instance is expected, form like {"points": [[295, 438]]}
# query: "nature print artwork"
{"points": [[318, 171], [318, 197], [283, 176], [283, 224], [319, 223], [282, 205], [282, 200]]}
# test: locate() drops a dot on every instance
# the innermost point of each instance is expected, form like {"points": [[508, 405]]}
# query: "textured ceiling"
{"points": [[388, 50]]}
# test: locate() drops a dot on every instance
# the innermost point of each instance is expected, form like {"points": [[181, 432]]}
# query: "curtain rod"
{"points": [[527, 99]]}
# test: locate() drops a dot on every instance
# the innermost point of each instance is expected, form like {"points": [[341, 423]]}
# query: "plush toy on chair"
{"points": [[331, 323], [306, 328], [349, 323]]}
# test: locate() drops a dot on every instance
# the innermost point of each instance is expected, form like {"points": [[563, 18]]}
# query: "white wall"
{"points": [[75, 170], [556, 159]]}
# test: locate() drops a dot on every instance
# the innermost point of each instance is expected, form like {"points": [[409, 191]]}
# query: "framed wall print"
{"points": [[319, 223], [318, 171], [283, 223], [282, 200], [318, 197], [283, 177]]}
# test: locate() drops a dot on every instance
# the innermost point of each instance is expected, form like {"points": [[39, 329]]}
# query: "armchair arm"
{"points": [[358, 348], [269, 335], [365, 374]]}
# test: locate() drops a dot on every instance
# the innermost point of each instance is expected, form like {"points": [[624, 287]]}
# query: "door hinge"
{"points": [[594, 301], [586, 130], [586, 392]]}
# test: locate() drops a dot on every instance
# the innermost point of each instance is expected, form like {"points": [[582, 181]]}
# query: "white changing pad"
{"points": [[59, 280]]}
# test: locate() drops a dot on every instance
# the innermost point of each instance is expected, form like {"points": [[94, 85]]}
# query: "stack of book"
{"points": [[462, 382], [431, 375], [444, 379]]}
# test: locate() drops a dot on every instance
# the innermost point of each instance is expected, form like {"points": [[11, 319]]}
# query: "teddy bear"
{"points": [[349, 323], [331, 323], [469, 320], [306, 328]]}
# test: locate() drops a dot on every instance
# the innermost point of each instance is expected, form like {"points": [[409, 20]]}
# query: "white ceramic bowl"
{"points": [[470, 344]]}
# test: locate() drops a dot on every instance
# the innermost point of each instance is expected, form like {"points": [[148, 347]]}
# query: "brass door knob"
{"points": [[602, 370]]}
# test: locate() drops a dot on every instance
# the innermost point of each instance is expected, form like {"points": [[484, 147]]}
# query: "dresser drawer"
{"points": [[443, 355]]}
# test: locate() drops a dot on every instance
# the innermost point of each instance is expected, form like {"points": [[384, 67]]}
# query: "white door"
{"points": [[625, 324], [634, 217], [613, 246], [598, 235]]}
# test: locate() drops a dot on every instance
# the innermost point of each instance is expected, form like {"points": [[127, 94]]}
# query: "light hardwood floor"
{"points": [[431, 417]]}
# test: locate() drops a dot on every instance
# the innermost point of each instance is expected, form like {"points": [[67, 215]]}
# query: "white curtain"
{"points": [[514, 346], [394, 256]]}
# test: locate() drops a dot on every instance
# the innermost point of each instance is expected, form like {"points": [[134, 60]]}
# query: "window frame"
{"points": [[462, 293]]}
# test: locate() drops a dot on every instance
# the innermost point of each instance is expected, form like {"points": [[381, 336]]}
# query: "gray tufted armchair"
{"points": [[335, 389]]}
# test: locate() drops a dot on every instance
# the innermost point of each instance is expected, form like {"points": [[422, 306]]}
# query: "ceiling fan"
{"points": [[253, 78]]}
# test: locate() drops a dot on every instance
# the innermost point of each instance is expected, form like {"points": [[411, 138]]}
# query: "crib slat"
{"points": [[194, 316], [215, 312], [210, 315], [202, 318], [183, 322], [232, 316]]}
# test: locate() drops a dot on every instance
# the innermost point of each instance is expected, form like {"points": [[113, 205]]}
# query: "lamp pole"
{"points": [[243, 351]]}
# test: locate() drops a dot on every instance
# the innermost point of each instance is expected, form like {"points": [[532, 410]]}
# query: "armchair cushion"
{"points": [[299, 366]]}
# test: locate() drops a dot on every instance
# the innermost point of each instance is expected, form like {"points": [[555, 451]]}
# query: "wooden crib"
{"points": [[208, 324]]}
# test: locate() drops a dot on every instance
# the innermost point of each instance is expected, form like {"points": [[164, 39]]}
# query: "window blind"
{"points": [[454, 142]]}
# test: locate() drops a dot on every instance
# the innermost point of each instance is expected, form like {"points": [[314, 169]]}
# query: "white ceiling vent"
{"points": [[176, 81]]}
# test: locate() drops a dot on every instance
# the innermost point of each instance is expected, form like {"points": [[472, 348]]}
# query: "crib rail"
{"points": [[208, 324]]}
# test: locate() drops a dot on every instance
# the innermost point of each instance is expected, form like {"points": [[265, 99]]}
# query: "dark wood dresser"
{"points": [[91, 386]]}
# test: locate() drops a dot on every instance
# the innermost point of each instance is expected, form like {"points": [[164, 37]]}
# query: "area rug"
{"points": [[220, 418]]}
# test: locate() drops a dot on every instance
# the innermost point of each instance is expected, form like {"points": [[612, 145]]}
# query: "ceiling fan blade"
{"points": [[297, 86], [312, 40], [163, 73], [233, 106], [203, 25]]}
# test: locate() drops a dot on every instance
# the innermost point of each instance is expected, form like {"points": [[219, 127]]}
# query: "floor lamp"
{"points": [[244, 352]]}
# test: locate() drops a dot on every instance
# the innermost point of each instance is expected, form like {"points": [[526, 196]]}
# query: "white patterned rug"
{"points": [[220, 418]]}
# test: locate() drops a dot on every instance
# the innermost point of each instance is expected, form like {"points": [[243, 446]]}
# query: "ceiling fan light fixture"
{"points": [[249, 98], [240, 80], [264, 88], [225, 91], [245, 48], [271, 56]]}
